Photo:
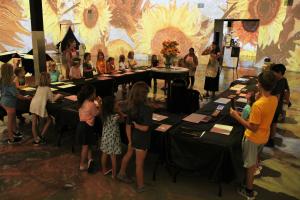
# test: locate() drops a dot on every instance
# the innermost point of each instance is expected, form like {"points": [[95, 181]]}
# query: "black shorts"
{"points": [[141, 140], [86, 134]]}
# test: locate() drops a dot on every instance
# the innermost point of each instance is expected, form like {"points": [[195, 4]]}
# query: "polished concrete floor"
{"points": [[50, 172]]}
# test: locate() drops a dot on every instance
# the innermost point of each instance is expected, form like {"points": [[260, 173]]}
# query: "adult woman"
{"points": [[139, 118], [212, 70], [100, 64], [68, 54], [191, 62]]}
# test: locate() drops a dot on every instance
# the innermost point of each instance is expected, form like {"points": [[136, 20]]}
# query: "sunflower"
{"points": [[162, 23], [293, 62], [271, 14], [10, 25], [245, 36], [94, 17]]}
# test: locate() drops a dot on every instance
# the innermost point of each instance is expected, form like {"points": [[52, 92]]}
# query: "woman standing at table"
{"points": [[139, 119], [130, 58], [67, 57], [100, 64], [213, 69], [191, 62]]}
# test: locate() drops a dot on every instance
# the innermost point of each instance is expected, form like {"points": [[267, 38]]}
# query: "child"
{"points": [[54, 73], [111, 140], [38, 107], [88, 110], [110, 65], [257, 128], [250, 100], [20, 77], [75, 72], [9, 96], [87, 66], [122, 65], [100, 64], [138, 132], [130, 58]]}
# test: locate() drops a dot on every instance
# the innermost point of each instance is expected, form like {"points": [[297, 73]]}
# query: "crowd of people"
{"points": [[259, 116]]}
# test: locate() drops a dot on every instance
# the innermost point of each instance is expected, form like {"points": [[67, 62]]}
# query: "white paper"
{"points": [[237, 87], [222, 129], [57, 83], [53, 89], [195, 118], [242, 100], [28, 89], [66, 86], [242, 79], [163, 127], [223, 100], [158, 117]]}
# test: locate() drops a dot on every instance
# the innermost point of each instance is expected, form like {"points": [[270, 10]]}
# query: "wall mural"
{"points": [[117, 26]]}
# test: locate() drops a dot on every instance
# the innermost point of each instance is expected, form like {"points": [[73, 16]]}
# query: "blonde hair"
{"points": [[44, 79], [7, 73], [137, 96]]}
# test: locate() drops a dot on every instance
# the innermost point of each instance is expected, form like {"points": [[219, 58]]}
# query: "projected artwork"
{"points": [[118, 26]]}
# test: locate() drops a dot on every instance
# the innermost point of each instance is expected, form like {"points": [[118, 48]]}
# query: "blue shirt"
{"points": [[9, 96], [54, 76], [246, 112]]}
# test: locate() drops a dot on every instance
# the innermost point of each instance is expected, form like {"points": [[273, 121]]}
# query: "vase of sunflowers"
{"points": [[170, 52]]}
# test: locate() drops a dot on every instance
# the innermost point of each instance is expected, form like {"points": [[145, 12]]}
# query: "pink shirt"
{"points": [[87, 112], [75, 73]]}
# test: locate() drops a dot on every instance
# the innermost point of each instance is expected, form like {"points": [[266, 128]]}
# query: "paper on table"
{"points": [[163, 127], [195, 118], [222, 129], [57, 83], [242, 100], [66, 86], [158, 117], [237, 87], [242, 79], [53, 89], [28, 89], [242, 95], [71, 97], [223, 100]]}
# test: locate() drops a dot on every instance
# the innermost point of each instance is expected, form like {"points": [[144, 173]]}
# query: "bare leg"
{"points": [[113, 165], [140, 158], [103, 162], [46, 126], [125, 161], [11, 125], [34, 127], [83, 157]]}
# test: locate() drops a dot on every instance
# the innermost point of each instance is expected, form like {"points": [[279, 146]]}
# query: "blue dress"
{"points": [[9, 96]]}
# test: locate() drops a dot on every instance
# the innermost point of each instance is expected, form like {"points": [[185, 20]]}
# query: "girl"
{"points": [[110, 141], [38, 107], [138, 132], [191, 61], [130, 58], [110, 65], [100, 64], [67, 57], [9, 96], [87, 66], [122, 65], [20, 77], [54, 73], [89, 108], [250, 100], [75, 72]]}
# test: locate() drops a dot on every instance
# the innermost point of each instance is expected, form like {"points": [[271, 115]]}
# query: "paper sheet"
{"points": [[222, 129], [72, 97], [242, 94], [57, 83], [66, 86], [241, 100], [242, 79], [53, 89], [237, 87], [195, 118], [163, 127], [223, 100], [158, 117], [28, 89]]}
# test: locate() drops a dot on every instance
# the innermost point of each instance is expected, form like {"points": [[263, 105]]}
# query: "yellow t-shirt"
{"points": [[262, 113]]}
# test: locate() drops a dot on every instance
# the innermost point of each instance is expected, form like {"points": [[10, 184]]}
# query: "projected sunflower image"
{"points": [[161, 22], [247, 32], [10, 26], [51, 20], [293, 62], [271, 14], [95, 17]]}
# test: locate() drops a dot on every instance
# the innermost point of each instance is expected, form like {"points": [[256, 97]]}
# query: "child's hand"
{"points": [[99, 100], [234, 113]]}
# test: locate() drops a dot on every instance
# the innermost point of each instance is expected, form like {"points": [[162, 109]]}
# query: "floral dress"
{"points": [[111, 140]]}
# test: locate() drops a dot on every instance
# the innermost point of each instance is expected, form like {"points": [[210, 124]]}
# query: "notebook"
{"points": [[195, 118], [158, 117], [221, 129], [223, 100], [163, 127]]}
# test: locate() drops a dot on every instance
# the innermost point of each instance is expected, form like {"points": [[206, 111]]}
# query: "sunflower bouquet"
{"points": [[169, 51]]}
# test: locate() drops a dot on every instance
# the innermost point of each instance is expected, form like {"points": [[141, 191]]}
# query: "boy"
{"points": [[279, 91], [257, 129]]}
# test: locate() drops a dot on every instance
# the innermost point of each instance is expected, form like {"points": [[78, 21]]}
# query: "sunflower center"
{"points": [[265, 10], [90, 16], [170, 33]]}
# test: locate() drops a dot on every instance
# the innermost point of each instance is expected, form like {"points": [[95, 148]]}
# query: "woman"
{"points": [[212, 70], [139, 119], [68, 54], [100, 64], [191, 62]]}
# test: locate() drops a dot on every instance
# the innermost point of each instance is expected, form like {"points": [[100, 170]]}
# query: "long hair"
{"points": [[7, 73], [137, 96], [85, 93], [100, 53], [44, 79], [108, 106], [130, 55], [121, 58]]}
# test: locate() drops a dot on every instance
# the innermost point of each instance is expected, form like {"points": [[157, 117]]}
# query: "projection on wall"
{"points": [[117, 26]]}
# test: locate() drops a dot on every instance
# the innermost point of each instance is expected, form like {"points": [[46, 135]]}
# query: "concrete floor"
{"points": [[50, 172]]}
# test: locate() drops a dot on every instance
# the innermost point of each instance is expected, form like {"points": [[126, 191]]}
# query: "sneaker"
{"points": [[141, 189], [14, 141], [18, 134], [124, 178], [248, 196]]}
